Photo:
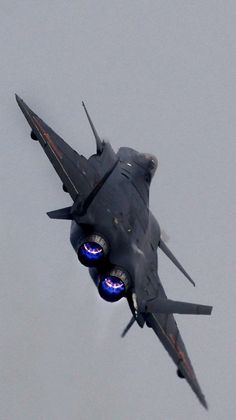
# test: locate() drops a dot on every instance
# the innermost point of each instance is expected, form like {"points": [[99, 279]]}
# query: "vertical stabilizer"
{"points": [[97, 138], [80, 207]]}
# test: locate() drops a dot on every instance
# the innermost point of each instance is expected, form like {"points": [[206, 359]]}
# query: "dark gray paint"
{"points": [[110, 194], [159, 76]]}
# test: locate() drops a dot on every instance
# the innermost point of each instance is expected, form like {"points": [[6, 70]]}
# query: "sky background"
{"points": [[160, 77]]}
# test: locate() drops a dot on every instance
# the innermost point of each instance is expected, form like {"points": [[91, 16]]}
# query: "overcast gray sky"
{"points": [[158, 76]]}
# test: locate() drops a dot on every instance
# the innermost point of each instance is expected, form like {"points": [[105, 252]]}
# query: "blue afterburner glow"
{"points": [[111, 288], [90, 253]]}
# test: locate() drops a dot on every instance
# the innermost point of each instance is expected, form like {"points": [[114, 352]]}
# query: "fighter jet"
{"points": [[115, 235]]}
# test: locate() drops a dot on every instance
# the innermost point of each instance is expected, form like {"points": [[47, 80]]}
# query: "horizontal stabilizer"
{"points": [[61, 214], [167, 306], [169, 254]]}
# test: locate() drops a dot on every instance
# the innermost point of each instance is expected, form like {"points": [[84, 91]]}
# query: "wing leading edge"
{"points": [[76, 174], [173, 343], [165, 327]]}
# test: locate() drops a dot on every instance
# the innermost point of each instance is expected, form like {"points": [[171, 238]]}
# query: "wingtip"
{"points": [[188, 277], [204, 403], [18, 99]]}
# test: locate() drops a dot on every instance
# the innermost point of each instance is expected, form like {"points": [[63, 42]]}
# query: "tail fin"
{"points": [[97, 138], [169, 254], [79, 207]]}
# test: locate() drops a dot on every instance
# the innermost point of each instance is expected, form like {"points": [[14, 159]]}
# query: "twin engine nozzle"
{"points": [[112, 283], [93, 250]]}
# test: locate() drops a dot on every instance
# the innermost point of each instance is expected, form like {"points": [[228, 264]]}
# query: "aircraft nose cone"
{"points": [[149, 162], [152, 160]]}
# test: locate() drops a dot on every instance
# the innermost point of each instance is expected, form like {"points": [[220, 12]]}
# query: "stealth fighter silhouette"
{"points": [[114, 233]]}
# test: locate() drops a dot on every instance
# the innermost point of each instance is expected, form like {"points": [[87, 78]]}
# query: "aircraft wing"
{"points": [[77, 175], [165, 327]]}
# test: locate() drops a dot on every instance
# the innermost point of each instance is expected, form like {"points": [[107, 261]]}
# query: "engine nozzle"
{"points": [[92, 250], [114, 284]]}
